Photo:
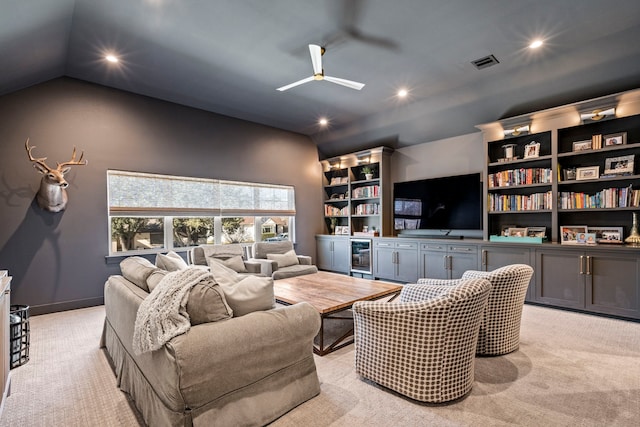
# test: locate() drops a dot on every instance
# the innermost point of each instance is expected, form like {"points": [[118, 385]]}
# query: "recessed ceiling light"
{"points": [[323, 121], [535, 44], [402, 93], [111, 58]]}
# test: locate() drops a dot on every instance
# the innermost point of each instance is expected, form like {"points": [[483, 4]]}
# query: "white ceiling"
{"points": [[229, 57]]}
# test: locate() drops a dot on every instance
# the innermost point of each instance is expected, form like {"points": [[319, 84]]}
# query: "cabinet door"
{"points": [[407, 263], [324, 253], [384, 263], [341, 256], [434, 264], [461, 259], [560, 278], [493, 257], [612, 283]]}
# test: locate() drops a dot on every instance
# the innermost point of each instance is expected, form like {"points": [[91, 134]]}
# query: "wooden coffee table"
{"points": [[331, 294]]}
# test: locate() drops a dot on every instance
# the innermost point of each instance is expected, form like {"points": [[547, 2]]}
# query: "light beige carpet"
{"points": [[571, 370]]}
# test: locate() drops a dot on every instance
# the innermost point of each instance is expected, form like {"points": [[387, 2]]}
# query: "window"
{"points": [[161, 212]]}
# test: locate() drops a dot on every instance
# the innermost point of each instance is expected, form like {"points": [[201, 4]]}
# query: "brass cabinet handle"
{"points": [[484, 257], [581, 264], [588, 265]]}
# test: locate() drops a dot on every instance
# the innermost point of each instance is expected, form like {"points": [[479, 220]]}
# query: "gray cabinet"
{"points": [[496, 256], [599, 281], [333, 253], [395, 259], [446, 260]]}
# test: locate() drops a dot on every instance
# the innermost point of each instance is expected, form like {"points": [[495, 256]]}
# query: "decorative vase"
{"points": [[634, 237]]}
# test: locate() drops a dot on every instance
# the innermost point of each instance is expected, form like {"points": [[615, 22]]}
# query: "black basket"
{"points": [[19, 335]]}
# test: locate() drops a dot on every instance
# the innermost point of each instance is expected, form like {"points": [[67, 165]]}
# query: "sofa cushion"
{"points": [[261, 249], [236, 263], [224, 275], [284, 260], [294, 270], [207, 303], [136, 270], [170, 262], [251, 293]]}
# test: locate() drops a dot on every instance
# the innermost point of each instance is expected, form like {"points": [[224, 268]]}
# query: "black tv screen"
{"points": [[447, 203]]}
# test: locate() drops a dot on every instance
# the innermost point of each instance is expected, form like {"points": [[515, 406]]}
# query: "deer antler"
{"points": [[40, 160], [73, 161]]}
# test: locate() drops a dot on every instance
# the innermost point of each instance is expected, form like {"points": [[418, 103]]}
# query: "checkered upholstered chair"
{"points": [[424, 345], [500, 327]]}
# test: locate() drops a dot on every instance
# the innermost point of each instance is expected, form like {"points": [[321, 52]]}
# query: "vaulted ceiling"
{"points": [[229, 56]]}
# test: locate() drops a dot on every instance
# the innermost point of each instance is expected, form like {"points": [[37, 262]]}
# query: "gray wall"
{"points": [[58, 260]]}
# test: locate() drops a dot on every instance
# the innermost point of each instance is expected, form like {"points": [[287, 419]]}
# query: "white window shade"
{"points": [[133, 193]]}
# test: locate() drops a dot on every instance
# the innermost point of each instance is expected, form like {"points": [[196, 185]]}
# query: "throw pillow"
{"points": [[170, 262], [223, 275], [207, 303], [252, 293], [284, 260], [136, 270], [236, 263], [155, 277]]}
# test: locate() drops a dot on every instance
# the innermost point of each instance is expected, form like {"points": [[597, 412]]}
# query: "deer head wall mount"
{"points": [[52, 195]]}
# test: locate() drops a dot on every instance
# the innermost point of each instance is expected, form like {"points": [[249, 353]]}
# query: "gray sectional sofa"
{"points": [[240, 371]]}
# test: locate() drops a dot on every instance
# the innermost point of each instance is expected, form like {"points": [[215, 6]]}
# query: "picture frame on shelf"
{"points": [[615, 139], [569, 234], [537, 232], [582, 145], [622, 165], [518, 232], [505, 229], [532, 150], [589, 172], [607, 235], [591, 239], [569, 174]]}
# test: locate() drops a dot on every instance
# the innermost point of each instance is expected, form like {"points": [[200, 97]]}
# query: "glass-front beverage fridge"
{"points": [[361, 256]]}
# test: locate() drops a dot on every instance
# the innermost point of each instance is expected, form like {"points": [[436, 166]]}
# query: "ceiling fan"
{"points": [[318, 72]]}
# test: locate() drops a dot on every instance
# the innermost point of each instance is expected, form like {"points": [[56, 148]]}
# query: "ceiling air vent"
{"points": [[485, 62]]}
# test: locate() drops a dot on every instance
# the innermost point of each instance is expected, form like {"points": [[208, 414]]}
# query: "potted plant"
{"points": [[367, 171]]}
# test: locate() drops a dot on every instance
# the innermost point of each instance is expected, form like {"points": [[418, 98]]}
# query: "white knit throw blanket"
{"points": [[163, 314]]}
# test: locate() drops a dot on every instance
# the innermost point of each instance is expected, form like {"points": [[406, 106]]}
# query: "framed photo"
{"points": [[591, 239], [536, 231], [606, 235], [569, 174], [615, 139], [532, 149], [622, 165], [591, 172], [517, 232], [582, 145], [570, 234], [506, 228]]}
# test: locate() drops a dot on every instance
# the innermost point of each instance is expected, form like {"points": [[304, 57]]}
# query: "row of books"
{"points": [[330, 210], [520, 202], [596, 142], [520, 176], [607, 198], [367, 209], [364, 192]]}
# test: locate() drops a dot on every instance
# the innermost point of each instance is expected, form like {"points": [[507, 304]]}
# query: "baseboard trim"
{"points": [[64, 306]]}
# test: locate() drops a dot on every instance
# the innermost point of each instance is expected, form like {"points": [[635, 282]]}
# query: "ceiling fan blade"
{"points": [[343, 82], [299, 82], [316, 58]]}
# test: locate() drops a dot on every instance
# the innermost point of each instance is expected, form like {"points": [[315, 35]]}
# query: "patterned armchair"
{"points": [[424, 345], [500, 328]]}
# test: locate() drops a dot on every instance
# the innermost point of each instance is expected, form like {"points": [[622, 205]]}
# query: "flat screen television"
{"points": [[439, 205]]}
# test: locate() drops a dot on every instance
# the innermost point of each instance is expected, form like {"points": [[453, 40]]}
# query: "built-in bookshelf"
{"points": [[357, 193], [571, 170]]}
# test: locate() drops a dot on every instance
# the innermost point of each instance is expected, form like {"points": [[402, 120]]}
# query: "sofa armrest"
{"points": [[225, 356], [267, 266], [253, 267], [304, 260]]}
